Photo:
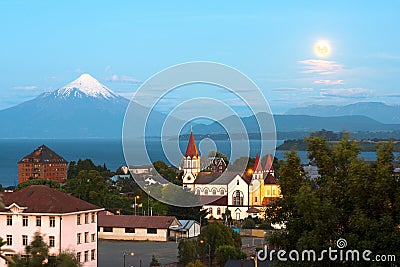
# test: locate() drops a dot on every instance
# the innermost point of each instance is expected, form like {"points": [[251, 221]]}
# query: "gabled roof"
{"points": [[43, 199], [130, 221], [185, 225], [43, 154], [270, 178], [191, 150], [257, 164]]}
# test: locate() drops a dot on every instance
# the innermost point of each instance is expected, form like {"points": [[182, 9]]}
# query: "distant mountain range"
{"points": [[85, 108], [375, 110]]}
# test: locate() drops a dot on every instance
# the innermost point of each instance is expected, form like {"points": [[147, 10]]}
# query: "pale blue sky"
{"points": [[46, 44]]}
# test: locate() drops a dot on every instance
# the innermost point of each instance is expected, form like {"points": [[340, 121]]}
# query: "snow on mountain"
{"points": [[85, 86]]}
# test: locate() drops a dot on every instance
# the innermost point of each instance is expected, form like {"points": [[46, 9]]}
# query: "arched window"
{"points": [[218, 211], [206, 191], [238, 198], [214, 191], [222, 192], [197, 191], [210, 210]]}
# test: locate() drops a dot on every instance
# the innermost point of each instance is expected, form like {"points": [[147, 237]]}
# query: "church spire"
{"points": [[268, 165], [257, 164], [191, 150]]}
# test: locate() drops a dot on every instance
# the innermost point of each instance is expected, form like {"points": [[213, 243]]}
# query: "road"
{"points": [[110, 253]]}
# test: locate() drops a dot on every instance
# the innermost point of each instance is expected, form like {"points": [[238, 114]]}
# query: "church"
{"points": [[243, 194]]}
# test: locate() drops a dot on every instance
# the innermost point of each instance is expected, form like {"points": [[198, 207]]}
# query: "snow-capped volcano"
{"points": [[83, 87]]}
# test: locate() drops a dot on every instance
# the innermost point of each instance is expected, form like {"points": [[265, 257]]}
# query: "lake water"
{"points": [[108, 151]]}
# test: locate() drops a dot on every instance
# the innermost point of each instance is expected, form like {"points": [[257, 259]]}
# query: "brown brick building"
{"points": [[43, 163]]}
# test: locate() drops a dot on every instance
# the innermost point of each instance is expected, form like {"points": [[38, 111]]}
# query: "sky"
{"points": [[47, 44]]}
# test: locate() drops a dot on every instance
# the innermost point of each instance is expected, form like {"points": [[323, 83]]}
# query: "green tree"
{"points": [[225, 253], [187, 250], [352, 199], [3, 251], [39, 256], [154, 261], [197, 263], [248, 223]]}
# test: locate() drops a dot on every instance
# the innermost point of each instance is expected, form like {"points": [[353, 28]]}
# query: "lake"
{"points": [[108, 151]]}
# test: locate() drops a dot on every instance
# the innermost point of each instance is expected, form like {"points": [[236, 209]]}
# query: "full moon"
{"points": [[322, 48]]}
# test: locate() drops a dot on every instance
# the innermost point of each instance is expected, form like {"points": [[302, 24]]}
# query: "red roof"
{"points": [[43, 154], [270, 178], [130, 221], [43, 199], [268, 165], [214, 200], [257, 164], [191, 150]]}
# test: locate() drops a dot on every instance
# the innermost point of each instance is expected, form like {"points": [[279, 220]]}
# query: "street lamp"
{"points": [[130, 254], [209, 252], [136, 197]]}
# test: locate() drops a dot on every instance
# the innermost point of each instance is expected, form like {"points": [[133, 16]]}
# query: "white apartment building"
{"points": [[66, 223]]}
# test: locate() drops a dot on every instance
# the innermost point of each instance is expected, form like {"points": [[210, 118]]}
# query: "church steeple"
{"points": [[191, 162], [258, 171], [191, 150]]}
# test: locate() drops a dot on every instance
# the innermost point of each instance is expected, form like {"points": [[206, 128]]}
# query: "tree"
{"points": [[216, 234], [3, 251], [248, 223], [39, 256], [187, 250], [352, 199], [225, 253], [197, 263], [154, 261]]}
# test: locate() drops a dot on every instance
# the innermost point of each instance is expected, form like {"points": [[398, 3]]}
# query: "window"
{"points": [[210, 210], [238, 198], [86, 237], [52, 242], [93, 238], [255, 199], [24, 220], [237, 183], [24, 240], [52, 221], [214, 192], [107, 229], [93, 217], [152, 230], [197, 191], [9, 240], [206, 191], [86, 218], [222, 192], [218, 211], [78, 256], [9, 219], [86, 256], [38, 221], [129, 230], [78, 238], [92, 254], [78, 219]]}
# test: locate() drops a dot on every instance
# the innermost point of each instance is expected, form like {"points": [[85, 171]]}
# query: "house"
{"points": [[42, 163], [243, 194], [130, 227], [187, 229], [142, 169], [65, 222]]}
